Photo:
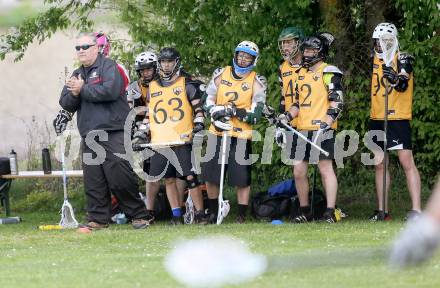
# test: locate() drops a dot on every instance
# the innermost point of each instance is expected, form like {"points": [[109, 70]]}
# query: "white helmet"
{"points": [[250, 48], [145, 60], [384, 28]]}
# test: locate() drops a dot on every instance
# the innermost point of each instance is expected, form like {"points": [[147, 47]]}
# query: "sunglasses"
{"points": [[83, 47]]}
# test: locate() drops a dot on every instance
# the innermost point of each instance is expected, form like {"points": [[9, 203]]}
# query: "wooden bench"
{"points": [[6, 181]]}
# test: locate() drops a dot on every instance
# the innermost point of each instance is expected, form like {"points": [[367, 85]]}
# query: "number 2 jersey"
{"points": [[313, 89]]}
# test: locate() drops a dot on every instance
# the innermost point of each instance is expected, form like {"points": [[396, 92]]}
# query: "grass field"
{"points": [[123, 257]]}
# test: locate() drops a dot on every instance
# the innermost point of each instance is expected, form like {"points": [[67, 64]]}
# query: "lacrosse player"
{"points": [[399, 80], [421, 236], [235, 100], [318, 104], [146, 69], [95, 91], [289, 42], [174, 115]]}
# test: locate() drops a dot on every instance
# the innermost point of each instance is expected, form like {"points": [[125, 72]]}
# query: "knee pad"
{"points": [[192, 183]]}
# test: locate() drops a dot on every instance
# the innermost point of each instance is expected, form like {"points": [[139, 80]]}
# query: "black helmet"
{"points": [[320, 42], [169, 53]]}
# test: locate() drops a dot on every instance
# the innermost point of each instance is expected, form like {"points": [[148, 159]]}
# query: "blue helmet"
{"points": [[248, 47]]}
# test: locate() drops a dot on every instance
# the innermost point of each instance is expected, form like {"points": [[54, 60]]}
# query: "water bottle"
{"points": [[13, 162], [47, 166], [10, 220], [121, 219]]}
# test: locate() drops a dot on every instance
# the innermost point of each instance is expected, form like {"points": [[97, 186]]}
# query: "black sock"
{"points": [[213, 206], [150, 212], [305, 210], [330, 210], [242, 210]]}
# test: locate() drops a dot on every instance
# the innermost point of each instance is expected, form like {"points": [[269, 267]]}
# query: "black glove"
{"points": [[324, 126], [390, 74], [222, 124], [198, 126], [60, 122], [220, 111]]}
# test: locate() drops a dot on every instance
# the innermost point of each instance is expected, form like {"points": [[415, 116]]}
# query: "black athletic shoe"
{"points": [[301, 218], [379, 215], [200, 218], [329, 217], [241, 219], [212, 219], [150, 218], [177, 220]]}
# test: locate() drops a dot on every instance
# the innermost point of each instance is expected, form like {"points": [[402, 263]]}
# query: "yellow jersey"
{"points": [[399, 103], [288, 77], [170, 112], [313, 98], [240, 93]]}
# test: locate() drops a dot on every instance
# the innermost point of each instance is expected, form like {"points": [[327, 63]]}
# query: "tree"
{"points": [[206, 32]]}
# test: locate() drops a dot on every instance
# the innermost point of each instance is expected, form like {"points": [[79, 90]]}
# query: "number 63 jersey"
{"points": [[170, 112]]}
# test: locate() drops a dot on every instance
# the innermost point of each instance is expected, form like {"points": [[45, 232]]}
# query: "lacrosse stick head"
{"points": [[389, 46], [269, 114], [188, 217], [68, 220], [223, 210], [231, 262]]}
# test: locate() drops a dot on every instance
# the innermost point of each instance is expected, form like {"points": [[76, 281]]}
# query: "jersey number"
{"points": [[309, 92], [233, 95], [289, 91], [163, 113], [379, 82]]}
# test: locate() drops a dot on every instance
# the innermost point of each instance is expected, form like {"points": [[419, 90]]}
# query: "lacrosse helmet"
{"points": [[380, 30], [319, 44], [169, 53], [146, 60], [103, 43], [290, 33], [250, 48]]}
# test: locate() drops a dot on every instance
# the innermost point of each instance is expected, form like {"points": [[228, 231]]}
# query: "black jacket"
{"points": [[101, 104]]}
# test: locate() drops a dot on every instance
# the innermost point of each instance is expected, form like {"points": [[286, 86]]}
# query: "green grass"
{"points": [[123, 257]]}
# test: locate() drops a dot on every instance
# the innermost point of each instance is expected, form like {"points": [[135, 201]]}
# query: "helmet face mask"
{"points": [[145, 61], [242, 53], [168, 55], [289, 42], [381, 31], [318, 47]]}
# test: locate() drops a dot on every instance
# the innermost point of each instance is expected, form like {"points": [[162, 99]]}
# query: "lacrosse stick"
{"points": [[223, 205], [158, 145], [189, 207], [269, 114], [389, 45], [68, 220], [313, 192]]}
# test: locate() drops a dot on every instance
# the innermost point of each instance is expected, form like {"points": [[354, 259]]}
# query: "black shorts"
{"points": [[398, 134], [177, 163], [300, 150], [237, 164]]}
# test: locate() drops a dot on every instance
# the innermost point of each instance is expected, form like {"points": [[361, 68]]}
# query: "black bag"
{"points": [[5, 167], [319, 205], [265, 207]]}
